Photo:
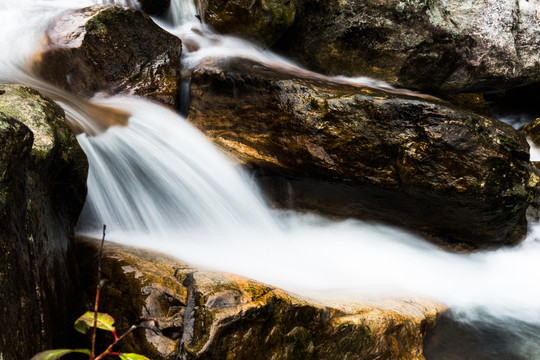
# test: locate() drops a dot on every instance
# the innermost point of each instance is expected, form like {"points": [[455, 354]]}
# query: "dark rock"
{"points": [[438, 46], [42, 190], [471, 101], [155, 7], [261, 20], [348, 150], [224, 316], [111, 49]]}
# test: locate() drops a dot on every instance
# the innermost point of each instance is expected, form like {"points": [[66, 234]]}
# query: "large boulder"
{"points": [[224, 316], [261, 20], [111, 49], [42, 190], [444, 46], [370, 153]]}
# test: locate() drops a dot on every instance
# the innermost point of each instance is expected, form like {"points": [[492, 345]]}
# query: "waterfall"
{"points": [[159, 184], [182, 11]]}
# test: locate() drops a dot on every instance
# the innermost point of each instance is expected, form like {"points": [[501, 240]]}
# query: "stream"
{"points": [[160, 184]]}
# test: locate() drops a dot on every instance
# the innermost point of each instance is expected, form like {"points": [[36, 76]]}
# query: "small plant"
{"points": [[95, 320]]}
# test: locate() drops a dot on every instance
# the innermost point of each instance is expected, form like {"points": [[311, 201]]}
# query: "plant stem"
{"points": [[98, 290], [108, 351]]}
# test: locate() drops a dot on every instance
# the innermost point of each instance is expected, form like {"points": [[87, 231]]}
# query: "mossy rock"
{"points": [[42, 191]]}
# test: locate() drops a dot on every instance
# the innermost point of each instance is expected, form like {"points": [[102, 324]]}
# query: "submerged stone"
{"points": [[214, 315], [372, 153], [111, 49], [42, 190]]}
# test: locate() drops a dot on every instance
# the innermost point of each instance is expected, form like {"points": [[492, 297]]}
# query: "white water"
{"points": [[159, 184]]}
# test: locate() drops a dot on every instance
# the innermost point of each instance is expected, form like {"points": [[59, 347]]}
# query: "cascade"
{"points": [[158, 183]]}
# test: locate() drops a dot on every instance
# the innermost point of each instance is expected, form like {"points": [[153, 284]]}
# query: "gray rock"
{"points": [[442, 46]]}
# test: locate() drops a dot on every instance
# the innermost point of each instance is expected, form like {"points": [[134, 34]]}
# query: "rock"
{"points": [[437, 46], [224, 316], [533, 131], [471, 101], [354, 151], [111, 49], [42, 190], [262, 20]]}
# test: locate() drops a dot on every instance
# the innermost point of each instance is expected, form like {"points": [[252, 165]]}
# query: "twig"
{"points": [[98, 290], [108, 351]]}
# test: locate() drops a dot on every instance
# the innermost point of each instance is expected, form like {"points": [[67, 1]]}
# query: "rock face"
{"points": [[223, 316], [111, 49], [261, 20], [442, 46], [42, 190], [348, 150]]}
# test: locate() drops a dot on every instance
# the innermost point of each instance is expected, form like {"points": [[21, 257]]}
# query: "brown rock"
{"points": [[224, 316], [111, 49], [347, 150]]}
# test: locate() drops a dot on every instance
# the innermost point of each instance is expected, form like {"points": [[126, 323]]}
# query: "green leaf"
{"points": [[57, 354], [104, 322], [132, 357]]}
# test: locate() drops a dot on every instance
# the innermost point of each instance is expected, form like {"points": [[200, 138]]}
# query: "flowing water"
{"points": [[158, 183]]}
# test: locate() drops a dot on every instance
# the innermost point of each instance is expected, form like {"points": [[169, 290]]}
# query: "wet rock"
{"points": [[111, 49], [354, 151], [224, 316], [441, 46], [471, 101], [533, 131], [42, 190], [261, 20]]}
